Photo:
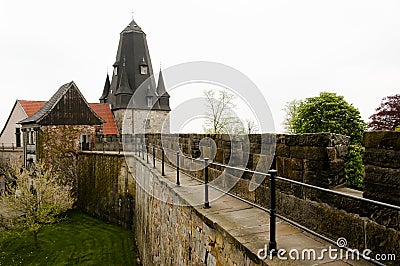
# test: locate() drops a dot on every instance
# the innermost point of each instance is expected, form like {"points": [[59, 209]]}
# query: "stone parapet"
{"points": [[382, 166]]}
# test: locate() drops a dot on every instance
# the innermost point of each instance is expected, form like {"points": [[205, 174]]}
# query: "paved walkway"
{"points": [[250, 225]]}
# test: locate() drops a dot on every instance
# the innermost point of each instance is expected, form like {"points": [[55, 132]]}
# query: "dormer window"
{"points": [[149, 101], [115, 70], [144, 69]]}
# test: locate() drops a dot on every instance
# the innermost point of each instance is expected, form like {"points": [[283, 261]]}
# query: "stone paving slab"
{"points": [[250, 225]]}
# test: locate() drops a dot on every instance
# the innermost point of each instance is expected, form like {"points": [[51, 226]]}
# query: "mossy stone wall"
{"points": [[106, 188]]}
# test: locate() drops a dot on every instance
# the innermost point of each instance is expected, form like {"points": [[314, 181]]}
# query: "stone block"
{"points": [[282, 150], [309, 152], [381, 240], [382, 157], [316, 139], [382, 139]]}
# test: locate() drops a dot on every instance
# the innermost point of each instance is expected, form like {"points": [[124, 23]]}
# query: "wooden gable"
{"points": [[71, 109]]}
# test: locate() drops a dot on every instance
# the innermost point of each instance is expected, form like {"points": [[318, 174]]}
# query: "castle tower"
{"points": [[133, 70]]}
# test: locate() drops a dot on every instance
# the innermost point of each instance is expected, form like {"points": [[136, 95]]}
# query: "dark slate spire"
{"points": [[106, 90], [162, 93], [131, 68]]}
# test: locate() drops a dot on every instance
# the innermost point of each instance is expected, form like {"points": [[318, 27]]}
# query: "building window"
{"points": [[31, 137], [115, 70], [143, 69], [17, 137], [85, 142]]}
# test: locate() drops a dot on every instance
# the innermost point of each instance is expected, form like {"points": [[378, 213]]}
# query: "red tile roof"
{"points": [[101, 109], [31, 107]]}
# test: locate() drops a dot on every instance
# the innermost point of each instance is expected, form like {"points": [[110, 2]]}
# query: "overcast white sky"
{"points": [[290, 49]]}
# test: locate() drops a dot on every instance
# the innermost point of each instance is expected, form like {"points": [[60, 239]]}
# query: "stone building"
{"points": [[138, 105], [64, 125]]}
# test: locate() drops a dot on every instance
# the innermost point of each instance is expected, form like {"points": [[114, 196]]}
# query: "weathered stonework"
{"points": [[15, 156], [171, 234], [382, 166], [58, 146], [316, 159], [132, 121], [106, 188]]}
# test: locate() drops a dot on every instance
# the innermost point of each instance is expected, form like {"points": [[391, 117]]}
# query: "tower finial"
{"points": [[132, 15]]}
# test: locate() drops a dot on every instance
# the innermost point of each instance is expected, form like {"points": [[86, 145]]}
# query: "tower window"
{"points": [[143, 69], [115, 70], [149, 101]]}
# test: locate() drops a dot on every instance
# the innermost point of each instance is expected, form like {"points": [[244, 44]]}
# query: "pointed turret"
{"points": [[162, 93], [106, 90], [131, 68], [138, 105]]}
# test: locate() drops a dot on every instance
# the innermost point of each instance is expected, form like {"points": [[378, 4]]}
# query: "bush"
{"points": [[354, 167]]}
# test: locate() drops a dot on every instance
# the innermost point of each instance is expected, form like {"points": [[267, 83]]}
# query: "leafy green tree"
{"points": [[329, 112], [37, 198]]}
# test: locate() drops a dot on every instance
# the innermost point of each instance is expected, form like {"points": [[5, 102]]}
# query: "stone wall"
{"points": [[316, 159], [12, 155], [363, 225], [134, 121], [106, 188], [382, 166], [169, 232]]}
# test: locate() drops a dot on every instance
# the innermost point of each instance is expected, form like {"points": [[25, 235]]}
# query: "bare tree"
{"points": [[219, 117], [251, 127]]}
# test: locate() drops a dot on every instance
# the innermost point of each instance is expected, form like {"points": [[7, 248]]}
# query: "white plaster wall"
{"points": [[8, 136]]}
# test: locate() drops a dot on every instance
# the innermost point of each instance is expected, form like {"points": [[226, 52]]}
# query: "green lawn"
{"points": [[79, 240]]}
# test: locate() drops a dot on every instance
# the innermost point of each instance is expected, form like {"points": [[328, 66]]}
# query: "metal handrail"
{"points": [[272, 211]]}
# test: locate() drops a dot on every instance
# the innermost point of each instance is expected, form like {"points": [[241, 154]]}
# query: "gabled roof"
{"points": [[31, 107], [49, 105], [104, 111]]}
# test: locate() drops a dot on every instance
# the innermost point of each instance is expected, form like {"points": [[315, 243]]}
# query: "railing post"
{"points": [[206, 202], [272, 220], [142, 151], [177, 169], [162, 162], [154, 156]]}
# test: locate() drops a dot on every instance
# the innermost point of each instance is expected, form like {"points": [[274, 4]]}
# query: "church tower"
{"points": [[133, 77]]}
